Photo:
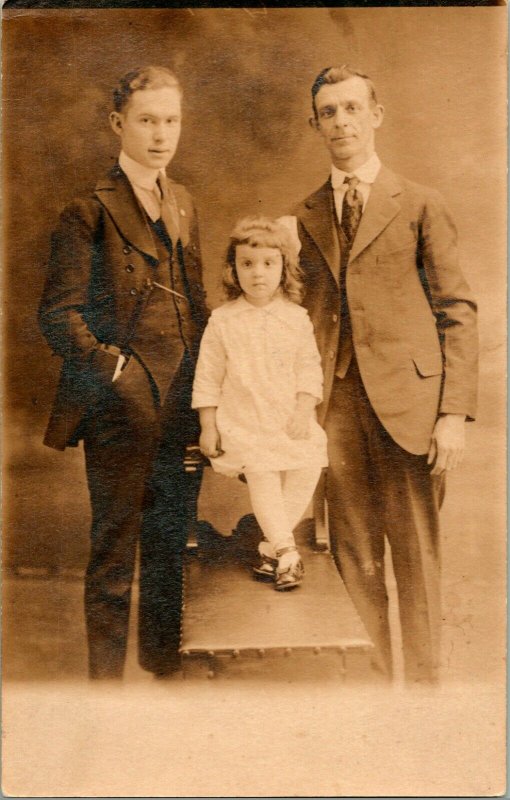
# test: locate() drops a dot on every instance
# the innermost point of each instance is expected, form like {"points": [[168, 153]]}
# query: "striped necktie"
{"points": [[352, 209]]}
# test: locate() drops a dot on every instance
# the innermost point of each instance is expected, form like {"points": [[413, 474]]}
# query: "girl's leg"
{"points": [[298, 488], [269, 507], [267, 491]]}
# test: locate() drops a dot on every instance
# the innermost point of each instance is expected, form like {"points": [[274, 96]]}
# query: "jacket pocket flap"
{"points": [[428, 364]]}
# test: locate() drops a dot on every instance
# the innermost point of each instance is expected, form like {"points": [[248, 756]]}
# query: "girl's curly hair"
{"points": [[264, 232]]}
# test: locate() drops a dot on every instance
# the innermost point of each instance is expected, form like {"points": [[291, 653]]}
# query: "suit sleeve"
{"points": [[453, 307], [65, 293]]}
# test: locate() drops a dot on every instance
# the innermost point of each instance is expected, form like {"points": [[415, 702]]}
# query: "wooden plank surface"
{"points": [[225, 609]]}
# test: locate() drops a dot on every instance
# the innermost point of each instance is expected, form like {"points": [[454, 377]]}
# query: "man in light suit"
{"points": [[124, 307], [396, 326]]}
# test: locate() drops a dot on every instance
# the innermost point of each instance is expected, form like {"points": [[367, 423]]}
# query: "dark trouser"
{"points": [[376, 489], [139, 492]]}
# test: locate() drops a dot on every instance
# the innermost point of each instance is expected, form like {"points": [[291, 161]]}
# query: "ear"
{"points": [[314, 123], [116, 122], [377, 115]]}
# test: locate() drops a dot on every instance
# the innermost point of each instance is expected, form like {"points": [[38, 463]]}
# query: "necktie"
{"points": [[169, 212], [352, 208]]}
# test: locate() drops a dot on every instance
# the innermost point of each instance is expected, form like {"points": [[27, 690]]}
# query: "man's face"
{"points": [[149, 126], [346, 120]]}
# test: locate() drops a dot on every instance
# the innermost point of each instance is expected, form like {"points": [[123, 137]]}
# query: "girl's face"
{"points": [[259, 270]]}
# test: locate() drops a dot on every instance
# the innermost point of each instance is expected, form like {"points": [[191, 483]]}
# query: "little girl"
{"points": [[257, 383]]}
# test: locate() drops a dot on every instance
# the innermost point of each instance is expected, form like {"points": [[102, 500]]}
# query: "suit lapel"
{"points": [[381, 208], [319, 221], [117, 196]]}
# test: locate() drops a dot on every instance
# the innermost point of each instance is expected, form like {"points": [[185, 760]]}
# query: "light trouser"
{"points": [[279, 500], [378, 492]]}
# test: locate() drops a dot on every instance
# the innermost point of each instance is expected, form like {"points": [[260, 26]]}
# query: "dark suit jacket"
{"points": [[412, 313], [102, 254]]}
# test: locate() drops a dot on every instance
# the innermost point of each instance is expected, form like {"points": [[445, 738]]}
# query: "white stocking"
{"points": [[298, 488], [279, 500]]}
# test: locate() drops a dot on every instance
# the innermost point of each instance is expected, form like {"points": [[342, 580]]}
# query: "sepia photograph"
{"points": [[254, 399]]}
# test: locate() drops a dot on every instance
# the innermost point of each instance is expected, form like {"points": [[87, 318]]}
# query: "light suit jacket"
{"points": [[412, 313]]}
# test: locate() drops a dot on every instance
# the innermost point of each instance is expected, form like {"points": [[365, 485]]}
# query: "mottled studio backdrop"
{"points": [[246, 146]]}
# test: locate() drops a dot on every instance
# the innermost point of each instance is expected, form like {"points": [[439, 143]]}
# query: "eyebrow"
{"points": [[157, 116], [348, 102]]}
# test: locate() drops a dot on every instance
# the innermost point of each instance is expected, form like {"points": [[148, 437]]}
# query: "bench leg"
{"points": [[320, 513]]}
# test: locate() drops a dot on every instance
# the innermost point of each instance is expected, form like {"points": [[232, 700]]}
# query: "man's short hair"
{"points": [[336, 75], [143, 78]]}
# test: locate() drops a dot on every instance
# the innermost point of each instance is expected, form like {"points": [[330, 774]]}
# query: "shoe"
{"points": [[290, 576], [168, 670], [266, 569]]}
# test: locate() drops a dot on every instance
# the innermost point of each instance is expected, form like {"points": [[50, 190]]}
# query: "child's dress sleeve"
{"points": [[310, 377], [211, 367]]}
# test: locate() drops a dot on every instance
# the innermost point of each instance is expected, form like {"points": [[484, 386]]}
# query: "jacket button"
{"points": [[126, 250], [129, 268], [335, 318], [133, 292]]}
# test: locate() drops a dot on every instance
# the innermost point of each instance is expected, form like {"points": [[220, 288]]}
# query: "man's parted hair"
{"points": [[264, 232], [143, 78], [331, 75]]}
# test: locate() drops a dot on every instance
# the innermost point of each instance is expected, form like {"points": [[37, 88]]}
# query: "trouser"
{"points": [[139, 492], [375, 489], [279, 500]]}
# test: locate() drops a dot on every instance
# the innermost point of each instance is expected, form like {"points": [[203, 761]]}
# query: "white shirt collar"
{"points": [[367, 172], [273, 303], [137, 174], [278, 306]]}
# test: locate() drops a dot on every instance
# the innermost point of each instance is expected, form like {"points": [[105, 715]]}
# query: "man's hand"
{"points": [[447, 446]]}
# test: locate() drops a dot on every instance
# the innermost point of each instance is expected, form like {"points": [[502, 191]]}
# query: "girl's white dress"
{"points": [[253, 361]]}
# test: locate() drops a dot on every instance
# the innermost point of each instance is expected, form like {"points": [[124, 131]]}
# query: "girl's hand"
{"points": [[210, 443], [298, 426]]}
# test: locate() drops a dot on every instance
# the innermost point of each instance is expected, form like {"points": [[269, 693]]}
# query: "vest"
{"points": [[165, 327]]}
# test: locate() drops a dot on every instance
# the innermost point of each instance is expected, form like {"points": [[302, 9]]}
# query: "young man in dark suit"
{"points": [[124, 306], [396, 326]]}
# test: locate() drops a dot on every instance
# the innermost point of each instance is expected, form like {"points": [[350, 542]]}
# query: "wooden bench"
{"points": [[228, 615]]}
